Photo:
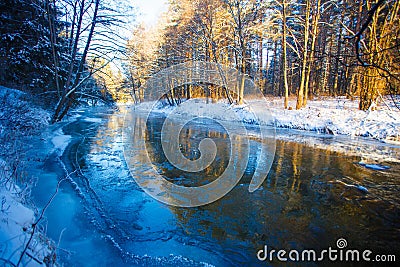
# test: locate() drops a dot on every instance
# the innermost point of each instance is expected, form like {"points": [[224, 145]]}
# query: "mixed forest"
{"points": [[327, 66], [69, 51]]}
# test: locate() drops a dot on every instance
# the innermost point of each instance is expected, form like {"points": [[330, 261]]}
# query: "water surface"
{"points": [[102, 217]]}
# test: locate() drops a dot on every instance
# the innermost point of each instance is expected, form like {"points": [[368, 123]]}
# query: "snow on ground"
{"points": [[332, 115], [338, 116], [18, 114], [16, 221], [19, 118], [324, 117]]}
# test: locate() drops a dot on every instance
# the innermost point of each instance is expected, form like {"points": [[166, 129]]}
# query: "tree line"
{"points": [[59, 50], [304, 48]]}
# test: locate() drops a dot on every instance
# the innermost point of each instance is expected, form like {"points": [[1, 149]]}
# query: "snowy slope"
{"points": [[339, 116], [372, 135], [19, 118], [16, 222], [332, 116]]}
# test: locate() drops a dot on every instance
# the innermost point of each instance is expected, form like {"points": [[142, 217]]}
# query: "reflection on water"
{"points": [[304, 202], [189, 140]]}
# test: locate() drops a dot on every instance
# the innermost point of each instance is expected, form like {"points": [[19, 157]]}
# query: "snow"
{"points": [[60, 141], [18, 114], [95, 120], [16, 225], [325, 117], [19, 118], [337, 116], [199, 108]]}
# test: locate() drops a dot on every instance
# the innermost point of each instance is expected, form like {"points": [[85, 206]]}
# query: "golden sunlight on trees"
{"points": [[306, 48], [377, 49], [109, 81]]}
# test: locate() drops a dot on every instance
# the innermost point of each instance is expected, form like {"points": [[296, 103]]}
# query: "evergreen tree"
{"points": [[26, 59]]}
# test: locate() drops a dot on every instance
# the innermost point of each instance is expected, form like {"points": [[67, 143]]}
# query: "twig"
{"points": [[59, 238], [358, 35], [33, 258], [8, 262], [35, 224]]}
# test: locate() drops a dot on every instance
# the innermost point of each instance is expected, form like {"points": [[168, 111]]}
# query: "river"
{"points": [[101, 217]]}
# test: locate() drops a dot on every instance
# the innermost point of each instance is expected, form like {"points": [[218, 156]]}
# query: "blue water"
{"points": [[101, 217]]}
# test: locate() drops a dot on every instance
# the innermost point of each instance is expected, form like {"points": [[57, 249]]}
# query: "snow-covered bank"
{"points": [[16, 224], [19, 235], [339, 116], [331, 115], [372, 135], [18, 115]]}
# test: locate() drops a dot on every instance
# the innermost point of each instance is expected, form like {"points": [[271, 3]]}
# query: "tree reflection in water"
{"points": [[298, 207]]}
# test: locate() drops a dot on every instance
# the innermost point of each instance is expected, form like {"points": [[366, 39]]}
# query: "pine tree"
{"points": [[26, 58]]}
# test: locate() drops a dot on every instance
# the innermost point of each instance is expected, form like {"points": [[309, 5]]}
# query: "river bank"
{"points": [[336, 116], [333, 124], [23, 239]]}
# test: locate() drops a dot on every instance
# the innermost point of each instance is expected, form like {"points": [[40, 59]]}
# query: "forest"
{"points": [[275, 124], [302, 48], [67, 51]]}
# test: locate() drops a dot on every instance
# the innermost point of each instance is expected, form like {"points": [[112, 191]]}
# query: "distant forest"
{"points": [[62, 50]]}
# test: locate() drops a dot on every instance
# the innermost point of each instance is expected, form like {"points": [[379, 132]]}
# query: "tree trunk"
{"points": [[285, 80], [312, 48], [300, 94], [66, 101], [274, 61]]}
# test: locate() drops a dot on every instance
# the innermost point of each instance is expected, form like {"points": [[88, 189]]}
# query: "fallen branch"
{"points": [[35, 224]]}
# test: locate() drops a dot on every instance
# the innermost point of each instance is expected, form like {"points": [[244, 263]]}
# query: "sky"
{"points": [[149, 10]]}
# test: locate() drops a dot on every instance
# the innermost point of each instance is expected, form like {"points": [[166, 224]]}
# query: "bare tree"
{"points": [[91, 33]]}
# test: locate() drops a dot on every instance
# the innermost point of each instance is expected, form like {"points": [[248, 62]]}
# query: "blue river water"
{"points": [[310, 199]]}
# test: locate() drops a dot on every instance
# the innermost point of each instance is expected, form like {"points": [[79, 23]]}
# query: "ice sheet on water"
{"points": [[60, 141], [376, 167], [95, 120]]}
